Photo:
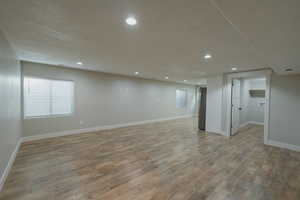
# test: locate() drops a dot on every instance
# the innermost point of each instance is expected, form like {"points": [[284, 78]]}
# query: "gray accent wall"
{"points": [[285, 109], [10, 107], [103, 99]]}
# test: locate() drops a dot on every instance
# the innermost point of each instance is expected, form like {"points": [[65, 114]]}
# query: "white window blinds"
{"points": [[181, 98], [44, 97]]}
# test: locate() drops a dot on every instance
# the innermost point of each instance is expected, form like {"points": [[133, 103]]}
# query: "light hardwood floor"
{"points": [[168, 160]]}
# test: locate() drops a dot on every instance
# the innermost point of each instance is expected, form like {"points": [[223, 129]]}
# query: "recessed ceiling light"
{"points": [[184, 80], [234, 69], [136, 73], [166, 77], [207, 56], [79, 63], [131, 21]]}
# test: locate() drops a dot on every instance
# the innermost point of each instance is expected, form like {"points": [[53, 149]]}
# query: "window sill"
{"points": [[48, 116]]}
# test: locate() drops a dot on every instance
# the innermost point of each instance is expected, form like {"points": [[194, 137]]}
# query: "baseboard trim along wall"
{"points": [[72, 132], [9, 164], [244, 124], [98, 128], [283, 145], [256, 123], [251, 122], [219, 132]]}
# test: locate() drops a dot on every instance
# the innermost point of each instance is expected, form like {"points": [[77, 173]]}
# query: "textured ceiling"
{"points": [[171, 37]]}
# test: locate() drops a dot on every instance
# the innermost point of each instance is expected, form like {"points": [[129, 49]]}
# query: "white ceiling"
{"points": [[171, 37]]}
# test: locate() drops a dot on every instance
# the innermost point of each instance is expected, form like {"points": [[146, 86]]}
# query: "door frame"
{"points": [[267, 74], [231, 110], [202, 107]]}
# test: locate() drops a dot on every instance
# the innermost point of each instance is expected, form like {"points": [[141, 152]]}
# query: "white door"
{"points": [[235, 110]]}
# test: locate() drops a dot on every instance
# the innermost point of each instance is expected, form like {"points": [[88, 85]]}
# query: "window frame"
{"points": [[48, 116], [186, 98]]}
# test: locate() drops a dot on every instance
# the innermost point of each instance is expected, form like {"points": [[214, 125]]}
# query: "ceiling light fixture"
{"points": [[207, 56], [234, 69], [79, 63], [184, 80], [131, 21], [166, 77], [136, 73]]}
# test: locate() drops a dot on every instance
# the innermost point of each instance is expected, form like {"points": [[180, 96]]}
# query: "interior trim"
{"points": [[267, 73], [251, 122], [256, 123], [283, 145], [98, 128], [10, 164]]}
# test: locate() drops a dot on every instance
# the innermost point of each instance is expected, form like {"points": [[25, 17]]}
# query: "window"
{"points": [[181, 98], [45, 97]]}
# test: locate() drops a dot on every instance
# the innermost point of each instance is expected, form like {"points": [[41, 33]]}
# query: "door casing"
{"points": [[235, 107], [267, 74]]}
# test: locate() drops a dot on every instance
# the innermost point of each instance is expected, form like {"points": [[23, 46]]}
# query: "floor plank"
{"points": [[159, 161]]}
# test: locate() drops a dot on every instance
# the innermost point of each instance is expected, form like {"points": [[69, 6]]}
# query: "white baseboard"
{"points": [[283, 145], [9, 164], [219, 132], [244, 124], [98, 128], [251, 122], [256, 123]]}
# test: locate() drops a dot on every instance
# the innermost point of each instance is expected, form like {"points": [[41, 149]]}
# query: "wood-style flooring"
{"points": [[159, 161]]}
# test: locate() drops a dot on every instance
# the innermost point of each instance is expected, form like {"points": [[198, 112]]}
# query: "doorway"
{"points": [[248, 103], [202, 108], [234, 116]]}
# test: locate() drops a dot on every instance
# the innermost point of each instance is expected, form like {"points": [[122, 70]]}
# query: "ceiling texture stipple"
{"points": [[171, 36]]}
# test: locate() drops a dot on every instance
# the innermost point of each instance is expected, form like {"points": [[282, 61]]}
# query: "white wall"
{"points": [[285, 110], [214, 104], [104, 100], [10, 107], [253, 108]]}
